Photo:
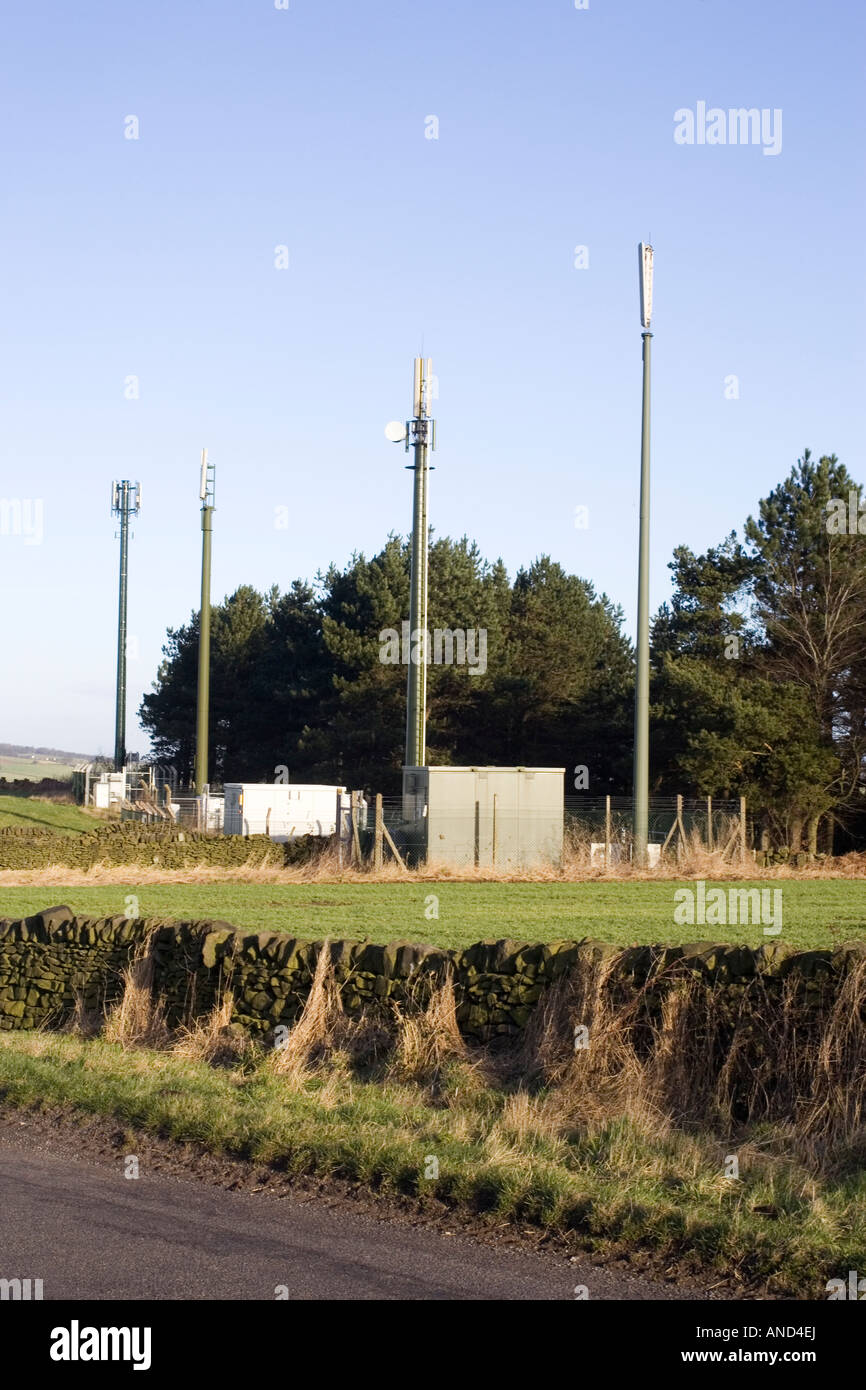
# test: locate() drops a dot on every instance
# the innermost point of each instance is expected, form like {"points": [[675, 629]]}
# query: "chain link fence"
{"points": [[597, 830], [603, 826]]}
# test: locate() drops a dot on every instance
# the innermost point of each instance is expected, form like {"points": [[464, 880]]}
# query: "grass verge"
{"points": [[617, 1183]]}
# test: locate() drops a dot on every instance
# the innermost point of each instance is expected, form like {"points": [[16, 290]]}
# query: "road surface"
{"points": [[90, 1233]]}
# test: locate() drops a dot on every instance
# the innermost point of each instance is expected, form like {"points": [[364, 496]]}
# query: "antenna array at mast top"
{"points": [[206, 481], [423, 385]]}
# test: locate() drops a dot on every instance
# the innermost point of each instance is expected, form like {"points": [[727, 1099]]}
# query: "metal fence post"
{"points": [[742, 830], [607, 832]]}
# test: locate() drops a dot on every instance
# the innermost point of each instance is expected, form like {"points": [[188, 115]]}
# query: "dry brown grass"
{"points": [[427, 1036], [527, 1117], [83, 1022], [580, 1042], [573, 870], [415, 1040], [315, 1031], [834, 1112], [212, 1038], [681, 1054], [137, 1019]]}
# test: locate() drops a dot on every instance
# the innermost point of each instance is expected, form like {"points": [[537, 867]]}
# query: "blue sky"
{"points": [[306, 128]]}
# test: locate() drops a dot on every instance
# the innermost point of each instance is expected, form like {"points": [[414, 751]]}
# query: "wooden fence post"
{"points": [[668, 838], [393, 848], [710, 824], [356, 842], [377, 834]]}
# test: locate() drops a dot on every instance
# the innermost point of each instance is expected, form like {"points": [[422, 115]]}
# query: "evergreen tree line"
{"points": [[758, 671]]}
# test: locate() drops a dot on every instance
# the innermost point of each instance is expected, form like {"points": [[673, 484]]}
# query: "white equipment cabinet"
{"points": [[281, 810]]}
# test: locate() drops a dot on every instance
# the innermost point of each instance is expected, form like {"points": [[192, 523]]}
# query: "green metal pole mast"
{"points": [[206, 492], [421, 432], [641, 705], [125, 501]]}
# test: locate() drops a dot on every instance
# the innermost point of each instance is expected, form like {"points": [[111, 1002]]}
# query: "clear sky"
{"points": [[307, 128]]}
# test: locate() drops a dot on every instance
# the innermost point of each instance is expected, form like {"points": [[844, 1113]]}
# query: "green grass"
{"points": [[44, 815], [816, 912], [614, 1183], [11, 767]]}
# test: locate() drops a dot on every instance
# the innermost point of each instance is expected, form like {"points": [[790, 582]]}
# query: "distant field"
{"points": [[10, 768], [816, 912], [47, 815]]}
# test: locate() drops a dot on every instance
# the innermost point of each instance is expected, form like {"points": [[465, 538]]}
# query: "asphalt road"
{"points": [[90, 1233]]}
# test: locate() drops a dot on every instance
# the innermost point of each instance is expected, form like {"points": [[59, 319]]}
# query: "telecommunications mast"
{"points": [[641, 702], [206, 493], [420, 432], [125, 502]]}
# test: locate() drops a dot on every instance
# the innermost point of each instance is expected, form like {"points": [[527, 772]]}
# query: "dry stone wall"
{"points": [[128, 842], [50, 960]]}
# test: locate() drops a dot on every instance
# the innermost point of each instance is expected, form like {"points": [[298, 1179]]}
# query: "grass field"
{"points": [[11, 767], [45, 815], [815, 912]]}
